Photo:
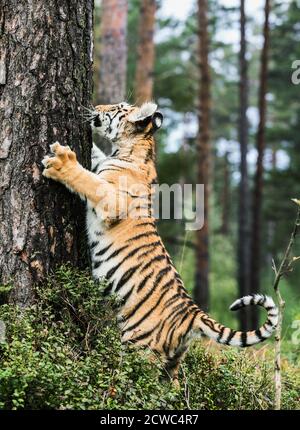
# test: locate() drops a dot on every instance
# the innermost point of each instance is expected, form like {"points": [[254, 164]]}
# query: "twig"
{"points": [[284, 267]]}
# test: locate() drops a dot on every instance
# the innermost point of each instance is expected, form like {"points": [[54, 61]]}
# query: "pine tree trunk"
{"points": [[113, 55], [45, 78], [146, 52], [243, 219], [201, 291], [258, 186], [225, 197]]}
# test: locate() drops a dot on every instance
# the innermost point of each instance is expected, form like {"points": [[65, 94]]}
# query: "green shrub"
{"points": [[65, 352]]}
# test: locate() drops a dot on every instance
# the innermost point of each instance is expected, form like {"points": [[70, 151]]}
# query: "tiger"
{"points": [[155, 311]]}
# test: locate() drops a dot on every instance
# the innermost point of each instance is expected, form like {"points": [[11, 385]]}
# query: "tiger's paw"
{"points": [[61, 164]]}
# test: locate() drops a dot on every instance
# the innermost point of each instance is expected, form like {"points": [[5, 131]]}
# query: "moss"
{"points": [[65, 352]]}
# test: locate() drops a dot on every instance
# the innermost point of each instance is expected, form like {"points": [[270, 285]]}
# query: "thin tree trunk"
{"points": [[201, 291], [225, 198], [113, 55], [258, 186], [243, 220], [45, 70], [146, 52]]}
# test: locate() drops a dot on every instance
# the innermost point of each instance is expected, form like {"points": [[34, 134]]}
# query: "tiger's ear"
{"points": [[145, 115]]}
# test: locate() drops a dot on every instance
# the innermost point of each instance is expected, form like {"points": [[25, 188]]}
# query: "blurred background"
{"points": [[223, 73]]}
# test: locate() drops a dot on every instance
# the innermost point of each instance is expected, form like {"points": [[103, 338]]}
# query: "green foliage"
{"points": [[65, 352]]}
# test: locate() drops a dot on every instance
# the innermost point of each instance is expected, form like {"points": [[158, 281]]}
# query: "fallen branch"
{"points": [[285, 267]]}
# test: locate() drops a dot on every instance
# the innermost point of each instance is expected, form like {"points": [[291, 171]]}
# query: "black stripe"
{"points": [[103, 250], [153, 260], [127, 295], [171, 300], [269, 323], [167, 285], [144, 281], [109, 170], [244, 338], [133, 326], [192, 322], [145, 298], [115, 115], [114, 254], [125, 278], [209, 323], [142, 236], [158, 336], [113, 270], [188, 314], [94, 170], [97, 264], [108, 289], [147, 223], [168, 341], [129, 255], [220, 335], [231, 335], [161, 274], [144, 335], [180, 309], [93, 245], [148, 245], [114, 153], [259, 335]]}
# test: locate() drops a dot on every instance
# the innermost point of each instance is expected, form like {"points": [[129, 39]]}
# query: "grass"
{"points": [[64, 352]]}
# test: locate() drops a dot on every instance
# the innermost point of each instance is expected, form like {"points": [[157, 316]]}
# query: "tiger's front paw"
{"points": [[59, 166]]}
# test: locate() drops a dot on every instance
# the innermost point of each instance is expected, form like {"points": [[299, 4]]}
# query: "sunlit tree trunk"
{"points": [[146, 52], [243, 217], [45, 79], [258, 185], [201, 291]]}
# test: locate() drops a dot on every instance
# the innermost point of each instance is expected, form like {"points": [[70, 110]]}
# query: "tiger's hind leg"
{"points": [[173, 373]]}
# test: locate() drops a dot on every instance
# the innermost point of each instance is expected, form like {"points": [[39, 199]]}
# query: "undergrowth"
{"points": [[65, 352]]}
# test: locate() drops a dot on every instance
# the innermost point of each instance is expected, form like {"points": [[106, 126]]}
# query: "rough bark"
{"points": [[258, 185], [45, 69], [146, 52], [113, 55], [243, 218], [201, 291]]}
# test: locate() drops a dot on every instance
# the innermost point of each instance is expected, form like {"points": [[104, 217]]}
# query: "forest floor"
{"points": [[64, 352]]}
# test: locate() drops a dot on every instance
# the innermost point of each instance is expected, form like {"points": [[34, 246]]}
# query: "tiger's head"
{"points": [[123, 122]]}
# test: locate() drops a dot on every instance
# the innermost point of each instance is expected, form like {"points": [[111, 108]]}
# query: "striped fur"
{"points": [[156, 311]]}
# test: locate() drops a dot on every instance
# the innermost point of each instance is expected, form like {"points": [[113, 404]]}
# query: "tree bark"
{"points": [[146, 52], [243, 218], [258, 186], [45, 78], [201, 290], [113, 55]]}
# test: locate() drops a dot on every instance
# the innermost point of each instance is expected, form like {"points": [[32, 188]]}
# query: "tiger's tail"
{"points": [[227, 336]]}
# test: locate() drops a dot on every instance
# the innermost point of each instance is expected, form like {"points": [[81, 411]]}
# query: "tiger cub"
{"points": [[126, 250]]}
